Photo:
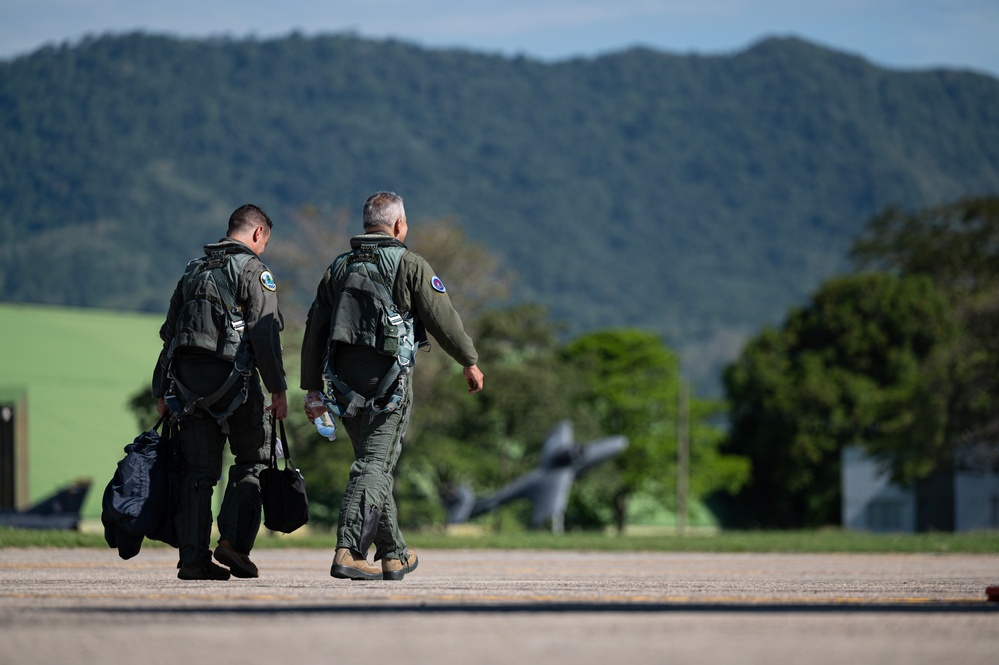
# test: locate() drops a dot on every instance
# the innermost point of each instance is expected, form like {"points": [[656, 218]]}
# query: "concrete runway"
{"points": [[71, 606]]}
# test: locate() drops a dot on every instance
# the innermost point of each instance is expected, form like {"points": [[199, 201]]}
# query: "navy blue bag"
{"points": [[141, 500]]}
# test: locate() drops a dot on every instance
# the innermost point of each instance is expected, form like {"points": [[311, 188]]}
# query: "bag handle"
{"points": [[285, 446]]}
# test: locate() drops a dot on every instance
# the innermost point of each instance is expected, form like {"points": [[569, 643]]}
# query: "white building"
{"points": [[965, 501]]}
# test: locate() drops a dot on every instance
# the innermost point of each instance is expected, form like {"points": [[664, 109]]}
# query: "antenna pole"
{"points": [[682, 456]]}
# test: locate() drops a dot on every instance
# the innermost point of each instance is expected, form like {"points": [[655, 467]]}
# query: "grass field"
{"points": [[79, 367], [831, 540]]}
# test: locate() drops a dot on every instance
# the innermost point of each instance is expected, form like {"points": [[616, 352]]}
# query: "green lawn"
{"points": [[825, 540], [79, 367]]}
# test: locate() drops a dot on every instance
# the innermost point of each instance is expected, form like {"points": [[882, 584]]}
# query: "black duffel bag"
{"points": [[286, 506], [142, 499]]}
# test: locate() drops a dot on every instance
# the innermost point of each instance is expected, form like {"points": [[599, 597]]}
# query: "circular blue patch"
{"points": [[438, 285], [267, 279]]}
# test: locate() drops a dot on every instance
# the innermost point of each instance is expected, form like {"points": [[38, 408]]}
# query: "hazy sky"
{"points": [[896, 33]]}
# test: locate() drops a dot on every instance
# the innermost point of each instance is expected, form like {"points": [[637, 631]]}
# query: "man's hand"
{"points": [[161, 407], [279, 405], [314, 407], [473, 377]]}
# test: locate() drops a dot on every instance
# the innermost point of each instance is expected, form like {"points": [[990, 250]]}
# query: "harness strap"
{"points": [[192, 400], [357, 402]]}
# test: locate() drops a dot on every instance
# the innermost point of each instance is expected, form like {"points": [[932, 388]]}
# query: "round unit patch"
{"points": [[438, 285], [267, 279]]}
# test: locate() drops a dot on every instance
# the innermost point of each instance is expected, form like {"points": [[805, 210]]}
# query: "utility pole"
{"points": [[682, 456]]}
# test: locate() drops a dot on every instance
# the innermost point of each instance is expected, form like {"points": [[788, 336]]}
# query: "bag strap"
{"points": [[273, 443], [159, 422], [285, 446]]}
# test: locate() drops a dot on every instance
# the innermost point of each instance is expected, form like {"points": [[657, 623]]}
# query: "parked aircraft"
{"points": [[59, 511], [546, 486]]}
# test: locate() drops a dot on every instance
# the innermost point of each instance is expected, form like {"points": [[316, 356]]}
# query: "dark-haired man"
{"points": [[222, 329], [360, 338]]}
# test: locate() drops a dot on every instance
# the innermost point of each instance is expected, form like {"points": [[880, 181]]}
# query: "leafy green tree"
{"points": [[857, 365], [957, 246], [630, 384]]}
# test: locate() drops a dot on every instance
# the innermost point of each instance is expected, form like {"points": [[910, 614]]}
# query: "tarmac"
{"points": [[71, 606]]}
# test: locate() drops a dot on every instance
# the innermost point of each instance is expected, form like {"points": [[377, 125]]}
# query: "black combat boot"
{"points": [[190, 571], [239, 564]]}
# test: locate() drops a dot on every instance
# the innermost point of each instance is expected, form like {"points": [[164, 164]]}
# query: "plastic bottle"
{"points": [[326, 426]]}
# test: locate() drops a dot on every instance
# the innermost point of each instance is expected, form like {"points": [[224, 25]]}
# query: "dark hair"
{"points": [[248, 216]]}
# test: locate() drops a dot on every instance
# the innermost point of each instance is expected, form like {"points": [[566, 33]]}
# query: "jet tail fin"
{"points": [[58, 511], [67, 501]]}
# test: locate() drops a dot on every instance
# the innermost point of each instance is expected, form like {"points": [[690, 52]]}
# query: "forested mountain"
{"points": [[697, 197]]}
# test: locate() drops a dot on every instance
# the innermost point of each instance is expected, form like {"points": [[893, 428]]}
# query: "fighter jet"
{"points": [[59, 511], [546, 486]]}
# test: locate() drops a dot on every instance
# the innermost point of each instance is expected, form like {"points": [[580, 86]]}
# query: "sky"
{"points": [[899, 34]]}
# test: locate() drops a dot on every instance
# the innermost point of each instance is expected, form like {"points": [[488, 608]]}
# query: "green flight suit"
{"points": [[202, 437], [368, 512]]}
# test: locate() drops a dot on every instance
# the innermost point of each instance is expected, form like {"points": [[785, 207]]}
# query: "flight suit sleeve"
{"points": [[160, 379], [264, 323], [426, 294], [317, 334]]}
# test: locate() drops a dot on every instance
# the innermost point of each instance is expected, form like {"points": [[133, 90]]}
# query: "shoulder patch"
{"points": [[438, 285], [267, 279]]}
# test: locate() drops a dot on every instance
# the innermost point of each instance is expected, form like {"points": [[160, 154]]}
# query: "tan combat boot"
{"points": [[349, 565], [396, 569]]}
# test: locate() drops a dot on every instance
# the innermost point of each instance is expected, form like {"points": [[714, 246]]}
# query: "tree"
{"points": [[957, 246], [857, 365], [607, 383], [630, 386]]}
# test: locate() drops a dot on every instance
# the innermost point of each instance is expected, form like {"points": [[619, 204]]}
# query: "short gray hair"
{"points": [[382, 210]]}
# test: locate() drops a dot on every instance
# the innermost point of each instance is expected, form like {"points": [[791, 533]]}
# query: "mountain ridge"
{"points": [[699, 196]]}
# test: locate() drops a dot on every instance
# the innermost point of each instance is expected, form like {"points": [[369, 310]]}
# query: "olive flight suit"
{"points": [[368, 511], [202, 436]]}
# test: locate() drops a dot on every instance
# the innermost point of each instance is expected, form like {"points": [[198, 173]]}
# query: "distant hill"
{"points": [[695, 196]]}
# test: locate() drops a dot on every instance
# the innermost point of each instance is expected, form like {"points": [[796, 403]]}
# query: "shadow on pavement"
{"points": [[920, 607]]}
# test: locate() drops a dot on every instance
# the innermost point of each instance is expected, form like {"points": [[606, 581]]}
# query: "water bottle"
{"points": [[326, 426]]}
